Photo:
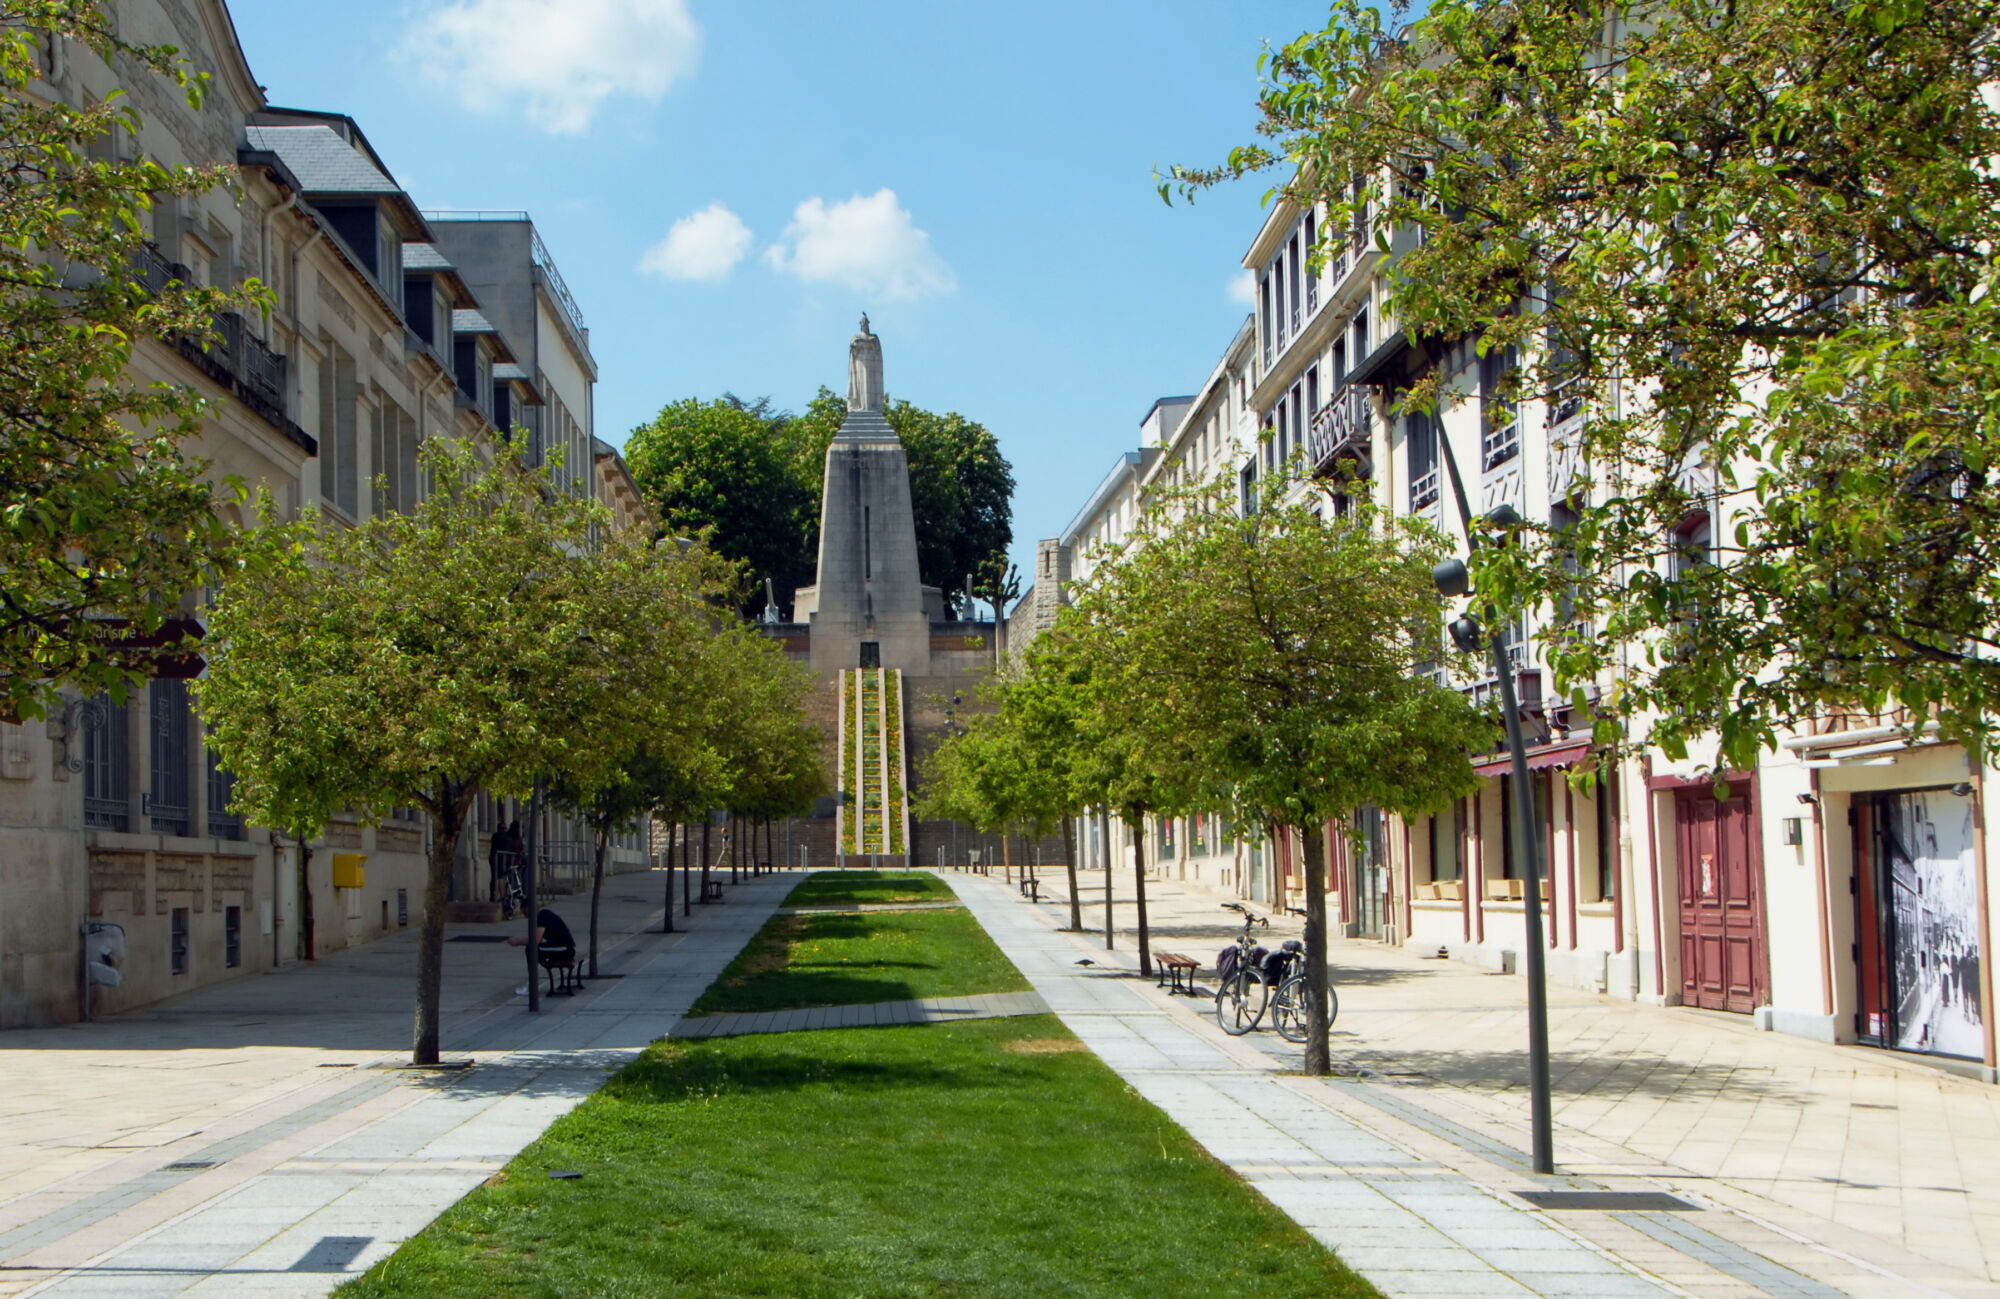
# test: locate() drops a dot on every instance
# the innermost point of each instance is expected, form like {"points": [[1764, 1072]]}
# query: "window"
{"points": [[1247, 489], [339, 453], [169, 802], [232, 936], [1264, 312], [1312, 394], [107, 764], [1511, 865], [1607, 835], [1448, 844], [1312, 280], [222, 823], [1563, 521], [1500, 440], [1420, 440], [178, 950], [1693, 544], [1298, 287], [1361, 335]]}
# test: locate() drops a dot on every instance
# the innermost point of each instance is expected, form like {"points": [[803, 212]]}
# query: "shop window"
{"points": [[1448, 844], [1512, 867], [107, 764], [1607, 835], [169, 801]]}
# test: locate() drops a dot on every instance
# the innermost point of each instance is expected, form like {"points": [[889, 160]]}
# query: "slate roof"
{"points": [[470, 320], [424, 257], [323, 161], [509, 370]]}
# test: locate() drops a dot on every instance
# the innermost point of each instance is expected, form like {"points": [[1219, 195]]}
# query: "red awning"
{"points": [[1559, 755]]}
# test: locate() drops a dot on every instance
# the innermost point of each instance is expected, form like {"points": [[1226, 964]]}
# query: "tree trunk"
{"points": [[430, 941], [705, 823], [735, 844], [1319, 1058], [687, 869], [668, 927], [306, 936], [597, 890], [1104, 846], [1006, 855], [1138, 829], [1069, 856]]}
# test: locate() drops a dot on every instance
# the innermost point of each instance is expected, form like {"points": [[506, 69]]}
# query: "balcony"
{"points": [[240, 361], [1501, 440], [151, 269], [1341, 430]]}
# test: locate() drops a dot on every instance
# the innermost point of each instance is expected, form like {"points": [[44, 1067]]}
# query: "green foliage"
{"points": [[105, 526], [723, 471], [750, 480], [470, 644], [857, 887], [1751, 240]]}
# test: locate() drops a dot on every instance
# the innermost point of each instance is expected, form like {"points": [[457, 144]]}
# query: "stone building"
{"points": [[1841, 890], [117, 814]]}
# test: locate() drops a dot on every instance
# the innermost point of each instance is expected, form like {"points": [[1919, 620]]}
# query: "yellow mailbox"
{"points": [[350, 870]]}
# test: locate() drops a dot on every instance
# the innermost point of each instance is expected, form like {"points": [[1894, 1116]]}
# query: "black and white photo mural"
{"points": [[1927, 877]]}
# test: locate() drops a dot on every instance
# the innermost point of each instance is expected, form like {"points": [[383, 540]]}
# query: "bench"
{"points": [[1031, 889], [1178, 968], [711, 890], [559, 961]]}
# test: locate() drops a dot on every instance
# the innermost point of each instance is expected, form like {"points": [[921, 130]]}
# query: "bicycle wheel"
{"points": [[1288, 1009], [1237, 1007], [1332, 1004]]}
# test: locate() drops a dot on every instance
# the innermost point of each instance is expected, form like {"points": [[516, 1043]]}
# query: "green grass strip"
{"points": [[991, 1158], [853, 959], [841, 888]]}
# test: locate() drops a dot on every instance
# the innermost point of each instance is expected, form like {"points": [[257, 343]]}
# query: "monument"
{"points": [[868, 607]]}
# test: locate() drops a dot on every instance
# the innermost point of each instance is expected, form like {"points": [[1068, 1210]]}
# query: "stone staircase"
{"points": [[874, 774]]}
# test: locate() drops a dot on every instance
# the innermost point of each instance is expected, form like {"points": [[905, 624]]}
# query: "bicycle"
{"points": [[508, 889], [1241, 967], [1290, 1001]]}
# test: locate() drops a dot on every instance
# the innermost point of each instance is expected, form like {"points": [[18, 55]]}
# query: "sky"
{"points": [[726, 185]]}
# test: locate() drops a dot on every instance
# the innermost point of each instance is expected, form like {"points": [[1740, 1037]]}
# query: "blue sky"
{"points": [[1019, 267]]}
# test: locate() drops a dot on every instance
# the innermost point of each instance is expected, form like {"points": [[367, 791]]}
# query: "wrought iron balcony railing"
{"points": [[1340, 430]]}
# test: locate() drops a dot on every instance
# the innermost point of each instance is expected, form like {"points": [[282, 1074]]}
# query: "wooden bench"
{"points": [[1177, 968], [711, 891], [559, 961], [1031, 889]]}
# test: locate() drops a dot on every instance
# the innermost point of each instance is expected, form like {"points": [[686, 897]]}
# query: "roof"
{"points": [[509, 370], [424, 257], [323, 161], [470, 320]]}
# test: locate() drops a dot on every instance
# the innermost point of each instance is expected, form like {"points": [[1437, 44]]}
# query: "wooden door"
{"points": [[1721, 900]]}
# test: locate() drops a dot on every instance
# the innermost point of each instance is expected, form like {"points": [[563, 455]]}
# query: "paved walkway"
{"points": [[874, 1014], [1410, 1164], [258, 1138]]}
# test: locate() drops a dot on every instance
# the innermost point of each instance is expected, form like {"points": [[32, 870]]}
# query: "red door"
{"points": [[1722, 903]]}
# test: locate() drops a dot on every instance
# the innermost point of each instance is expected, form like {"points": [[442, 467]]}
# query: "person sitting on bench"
{"points": [[555, 948]]}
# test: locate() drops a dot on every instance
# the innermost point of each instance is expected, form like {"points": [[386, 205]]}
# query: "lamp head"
{"points": [[1451, 577], [1464, 632]]}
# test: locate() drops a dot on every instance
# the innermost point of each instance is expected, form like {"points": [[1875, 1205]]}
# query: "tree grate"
{"points": [[1609, 1201]]}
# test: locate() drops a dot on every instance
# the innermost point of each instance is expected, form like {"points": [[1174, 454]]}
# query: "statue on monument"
{"points": [[864, 370]]}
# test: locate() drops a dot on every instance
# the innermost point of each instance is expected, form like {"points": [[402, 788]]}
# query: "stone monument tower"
{"points": [[868, 608]]}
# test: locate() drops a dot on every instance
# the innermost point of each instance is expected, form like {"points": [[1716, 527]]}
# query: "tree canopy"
{"points": [[105, 526], [749, 478], [468, 645], [1749, 243]]}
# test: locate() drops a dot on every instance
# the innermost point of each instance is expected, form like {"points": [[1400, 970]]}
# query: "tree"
{"points": [[723, 470], [660, 594], [1280, 646], [105, 526], [420, 658], [773, 756], [1749, 243]]}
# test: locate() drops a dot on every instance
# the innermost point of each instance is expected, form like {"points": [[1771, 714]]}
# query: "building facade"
{"points": [[1840, 890], [114, 818]]}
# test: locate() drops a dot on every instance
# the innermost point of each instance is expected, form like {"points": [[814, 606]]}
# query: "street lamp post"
{"points": [[1452, 580], [531, 868]]}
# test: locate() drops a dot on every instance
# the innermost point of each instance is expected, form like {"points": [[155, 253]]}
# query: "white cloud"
{"points": [[704, 245], [1243, 289], [558, 60], [866, 243]]}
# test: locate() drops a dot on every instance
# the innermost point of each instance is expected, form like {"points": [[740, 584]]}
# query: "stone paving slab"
{"points": [[311, 1175], [1413, 1184]]}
